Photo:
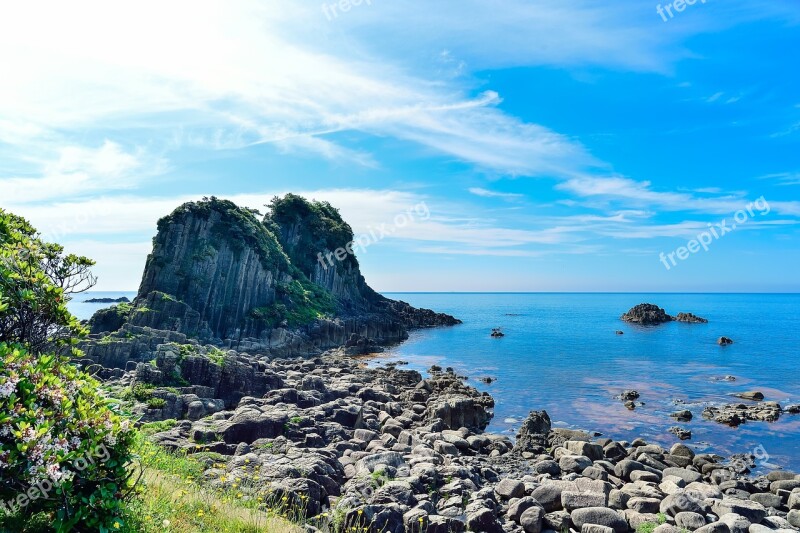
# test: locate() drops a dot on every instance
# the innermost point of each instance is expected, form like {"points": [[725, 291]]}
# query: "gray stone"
{"points": [[736, 523], [510, 488], [576, 500], [690, 521], [752, 511], [624, 468], [601, 516], [594, 528], [531, 519], [794, 517], [644, 505], [549, 495], [548, 466], [767, 500], [557, 521], [784, 484], [574, 463], [716, 527], [519, 506], [689, 476], [681, 501], [484, 520], [577, 447], [794, 500], [776, 522]]}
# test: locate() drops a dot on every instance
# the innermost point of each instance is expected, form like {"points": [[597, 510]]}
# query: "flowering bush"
{"points": [[62, 448]]}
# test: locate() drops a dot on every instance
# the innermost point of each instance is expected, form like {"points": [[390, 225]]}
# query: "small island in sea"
{"points": [[120, 300]]}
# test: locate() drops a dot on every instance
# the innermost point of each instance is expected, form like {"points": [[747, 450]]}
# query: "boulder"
{"points": [[601, 516]]}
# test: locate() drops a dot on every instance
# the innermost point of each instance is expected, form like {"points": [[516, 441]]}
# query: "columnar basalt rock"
{"points": [[217, 273]]}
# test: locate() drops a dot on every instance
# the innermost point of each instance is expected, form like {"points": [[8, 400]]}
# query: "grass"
{"points": [[171, 498], [649, 527]]}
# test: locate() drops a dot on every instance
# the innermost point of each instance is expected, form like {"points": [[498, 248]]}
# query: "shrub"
{"points": [[36, 281], [62, 448], [143, 391], [156, 403]]}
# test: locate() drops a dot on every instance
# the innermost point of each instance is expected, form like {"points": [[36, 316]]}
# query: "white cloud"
{"points": [[254, 72], [78, 171]]}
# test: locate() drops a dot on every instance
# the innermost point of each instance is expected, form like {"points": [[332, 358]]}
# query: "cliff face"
{"points": [[217, 260], [218, 273], [311, 233]]}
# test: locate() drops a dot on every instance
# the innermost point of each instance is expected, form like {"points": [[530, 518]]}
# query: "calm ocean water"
{"points": [[84, 311], [560, 353]]}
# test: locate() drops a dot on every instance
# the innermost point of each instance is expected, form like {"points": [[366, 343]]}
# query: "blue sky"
{"points": [[554, 147]]}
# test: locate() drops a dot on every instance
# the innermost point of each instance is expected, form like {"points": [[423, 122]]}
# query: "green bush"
{"points": [[63, 450], [156, 403], [143, 391]]}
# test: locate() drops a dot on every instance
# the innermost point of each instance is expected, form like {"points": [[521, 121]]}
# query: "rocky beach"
{"points": [[389, 450]]}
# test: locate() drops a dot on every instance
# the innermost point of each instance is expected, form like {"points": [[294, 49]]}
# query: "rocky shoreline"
{"points": [[389, 450]]}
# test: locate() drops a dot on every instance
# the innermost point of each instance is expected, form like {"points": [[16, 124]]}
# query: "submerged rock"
{"points": [[751, 395], [682, 416], [681, 433]]}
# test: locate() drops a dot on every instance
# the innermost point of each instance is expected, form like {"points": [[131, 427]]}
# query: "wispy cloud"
{"points": [[486, 193], [642, 193], [783, 178]]}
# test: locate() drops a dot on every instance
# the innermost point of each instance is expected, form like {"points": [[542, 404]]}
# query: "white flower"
{"points": [[8, 387]]}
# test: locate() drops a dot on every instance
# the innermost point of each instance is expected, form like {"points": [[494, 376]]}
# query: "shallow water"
{"points": [[561, 353]]}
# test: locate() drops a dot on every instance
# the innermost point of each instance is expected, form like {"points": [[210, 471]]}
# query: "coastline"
{"points": [[390, 450]]}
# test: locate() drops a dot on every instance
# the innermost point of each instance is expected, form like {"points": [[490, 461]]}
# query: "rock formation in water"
{"points": [[219, 273], [647, 314], [650, 314]]}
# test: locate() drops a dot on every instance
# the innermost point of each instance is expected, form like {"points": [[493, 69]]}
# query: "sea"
{"points": [[561, 353]]}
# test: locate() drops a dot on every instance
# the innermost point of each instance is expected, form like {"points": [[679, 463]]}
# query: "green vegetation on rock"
{"points": [[299, 302], [238, 227], [319, 227]]}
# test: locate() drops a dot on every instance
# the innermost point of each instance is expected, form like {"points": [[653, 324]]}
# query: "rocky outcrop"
{"points": [[690, 318], [109, 319], [737, 414], [650, 314], [219, 274], [646, 314]]}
